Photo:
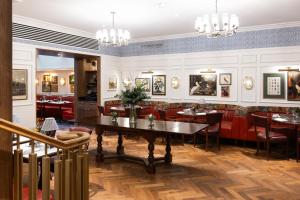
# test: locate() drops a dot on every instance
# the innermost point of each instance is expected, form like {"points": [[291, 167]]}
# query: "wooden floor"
{"points": [[232, 173]]}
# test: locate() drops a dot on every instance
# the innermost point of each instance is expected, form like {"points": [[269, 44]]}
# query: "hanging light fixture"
{"points": [[217, 25], [113, 36]]}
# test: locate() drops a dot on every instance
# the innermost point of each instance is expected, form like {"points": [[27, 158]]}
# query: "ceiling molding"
{"points": [[241, 29], [50, 26]]}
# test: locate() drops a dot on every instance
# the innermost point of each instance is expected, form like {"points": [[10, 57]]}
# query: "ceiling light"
{"points": [[217, 24], [114, 36], [161, 4]]}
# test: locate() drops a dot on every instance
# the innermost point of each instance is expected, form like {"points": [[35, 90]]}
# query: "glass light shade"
{"points": [[113, 37], [217, 25]]}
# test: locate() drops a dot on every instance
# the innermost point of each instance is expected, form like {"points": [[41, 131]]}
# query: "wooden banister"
{"points": [[65, 145]]}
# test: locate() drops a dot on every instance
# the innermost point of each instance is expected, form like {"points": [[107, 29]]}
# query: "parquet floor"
{"points": [[232, 173]]}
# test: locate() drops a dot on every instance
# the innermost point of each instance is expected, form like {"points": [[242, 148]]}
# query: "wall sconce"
{"points": [[36, 81], [127, 82], [148, 72], [62, 81], [248, 82], [175, 83], [209, 71]]}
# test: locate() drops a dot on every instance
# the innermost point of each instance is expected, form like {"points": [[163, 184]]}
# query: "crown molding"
{"points": [[50, 26], [241, 29]]}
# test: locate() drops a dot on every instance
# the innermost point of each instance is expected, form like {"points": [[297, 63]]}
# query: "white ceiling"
{"points": [[146, 18]]}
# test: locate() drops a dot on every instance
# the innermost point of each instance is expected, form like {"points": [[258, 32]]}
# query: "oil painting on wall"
{"points": [[203, 85], [144, 83], [112, 83], [19, 84], [294, 86]]}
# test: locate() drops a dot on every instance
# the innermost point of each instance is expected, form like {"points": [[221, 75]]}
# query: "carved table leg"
{"points": [[120, 147], [100, 156], [168, 156], [151, 166]]}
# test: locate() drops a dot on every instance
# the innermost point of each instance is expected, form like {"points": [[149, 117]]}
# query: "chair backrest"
{"points": [[214, 118], [101, 110], [261, 121], [162, 114]]}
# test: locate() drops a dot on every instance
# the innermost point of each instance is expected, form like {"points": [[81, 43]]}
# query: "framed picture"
{"points": [[19, 84], [273, 86], [225, 91], [47, 78], [54, 80], [144, 83], [72, 79], [72, 88], [46, 86], [54, 87], [112, 83], [293, 86], [225, 79], [203, 85], [159, 85]]}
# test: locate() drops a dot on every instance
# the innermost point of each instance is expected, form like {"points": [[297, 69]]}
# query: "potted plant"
{"points": [[131, 97]]}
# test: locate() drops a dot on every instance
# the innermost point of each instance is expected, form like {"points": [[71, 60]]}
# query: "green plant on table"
{"points": [[114, 116], [132, 96]]}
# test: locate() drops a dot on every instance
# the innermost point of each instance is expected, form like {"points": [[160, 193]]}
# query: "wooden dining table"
{"points": [[58, 104], [142, 128], [288, 119]]}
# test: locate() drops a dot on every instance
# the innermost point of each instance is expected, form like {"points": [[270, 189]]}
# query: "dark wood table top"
{"points": [[143, 125], [121, 108], [191, 114], [287, 119]]}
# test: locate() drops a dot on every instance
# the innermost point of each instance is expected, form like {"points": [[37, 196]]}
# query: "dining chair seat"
{"points": [[265, 134], [211, 130], [273, 137]]}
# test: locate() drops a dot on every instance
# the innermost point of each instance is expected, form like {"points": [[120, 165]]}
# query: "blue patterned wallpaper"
{"points": [[243, 40]]}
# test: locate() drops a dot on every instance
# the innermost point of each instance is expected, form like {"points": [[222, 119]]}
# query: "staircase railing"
{"points": [[70, 163]]}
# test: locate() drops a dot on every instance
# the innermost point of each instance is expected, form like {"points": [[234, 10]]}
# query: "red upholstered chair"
{"points": [[214, 120], [162, 114], [262, 127]]}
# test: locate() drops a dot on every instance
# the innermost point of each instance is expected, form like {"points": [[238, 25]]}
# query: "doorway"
{"points": [[66, 84]]}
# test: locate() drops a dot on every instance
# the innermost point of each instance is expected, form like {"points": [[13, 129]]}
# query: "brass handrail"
{"points": [[65, 145]]}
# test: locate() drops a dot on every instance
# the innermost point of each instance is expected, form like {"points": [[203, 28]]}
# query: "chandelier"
{"points": [[114, 36], [217, 25]]}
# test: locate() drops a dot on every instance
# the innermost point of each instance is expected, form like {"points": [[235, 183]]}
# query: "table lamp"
{"points": [[49, 127]]}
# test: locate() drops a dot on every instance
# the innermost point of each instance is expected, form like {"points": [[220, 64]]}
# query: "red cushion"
{"points": [[226, 129], [82, 129], [275, 137], [39, 194]]}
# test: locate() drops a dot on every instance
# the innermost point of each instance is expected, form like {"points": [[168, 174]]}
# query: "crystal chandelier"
{"points": [[113, 36], [217, 25]]}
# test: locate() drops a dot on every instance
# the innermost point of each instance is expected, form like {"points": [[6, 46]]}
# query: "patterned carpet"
{"points": [[232, 173]]}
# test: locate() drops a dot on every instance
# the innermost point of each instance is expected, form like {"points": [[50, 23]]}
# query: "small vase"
{"points": [[132, 115]]}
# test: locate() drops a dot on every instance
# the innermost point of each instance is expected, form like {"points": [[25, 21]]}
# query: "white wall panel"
{"points": [[240, 63]]}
